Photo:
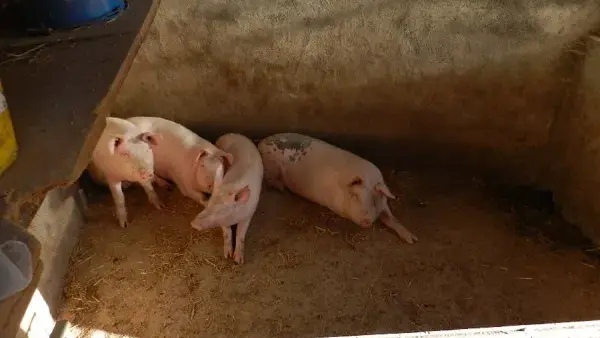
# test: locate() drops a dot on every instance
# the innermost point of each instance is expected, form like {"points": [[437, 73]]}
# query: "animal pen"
{"points": [[483, 116]]}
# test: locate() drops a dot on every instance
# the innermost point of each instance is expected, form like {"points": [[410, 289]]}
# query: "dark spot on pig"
{"points": [[356, 181], [296, 144], [291, 142]]}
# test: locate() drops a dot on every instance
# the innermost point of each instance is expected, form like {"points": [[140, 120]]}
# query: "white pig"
{"points": [[235, 195], [347, 184], [182, 156], [123, 154]]}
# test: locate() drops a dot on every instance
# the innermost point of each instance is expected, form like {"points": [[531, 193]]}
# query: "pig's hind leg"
{"points": [[391, 222], [162, 183], [227, 241], [240, 238], [152, 196], [119, 199], [273, 175]]}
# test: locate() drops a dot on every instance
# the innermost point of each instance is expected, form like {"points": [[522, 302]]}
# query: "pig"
{"points": [[235, 194], [347, 184], [122, 155], [182, 156]]}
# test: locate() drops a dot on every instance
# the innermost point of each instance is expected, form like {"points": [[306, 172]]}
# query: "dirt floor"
{"points": [[481, 261]]}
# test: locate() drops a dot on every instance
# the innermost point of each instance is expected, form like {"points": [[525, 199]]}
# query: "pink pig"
{"points": [[183, 157], [235, 195], [348, 185], [123, 154]]}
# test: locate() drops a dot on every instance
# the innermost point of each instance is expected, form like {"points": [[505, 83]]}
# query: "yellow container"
{"points": [[8, 142]]}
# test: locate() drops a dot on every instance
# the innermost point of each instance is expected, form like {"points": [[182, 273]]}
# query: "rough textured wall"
{"points": [[577, 149], [467, 81]]}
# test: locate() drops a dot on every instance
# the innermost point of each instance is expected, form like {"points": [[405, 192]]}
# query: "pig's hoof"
{"points": [[238, 257], [123, 224], [158, 204], [228, 252], [409, 238]]}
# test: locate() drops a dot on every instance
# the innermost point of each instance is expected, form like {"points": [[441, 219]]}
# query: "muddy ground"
{"points": [[481, 261]]}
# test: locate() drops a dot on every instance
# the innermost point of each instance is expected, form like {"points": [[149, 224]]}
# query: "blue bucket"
{"points": [[67, 14]]}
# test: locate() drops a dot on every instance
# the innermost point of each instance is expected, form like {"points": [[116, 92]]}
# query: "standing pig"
{"points": [[235, 195], [183, 157], [347, 184], [123, 154]]}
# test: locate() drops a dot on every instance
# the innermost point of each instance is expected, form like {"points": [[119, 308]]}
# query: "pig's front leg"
{"points": [[161, 182], [119, 199], [152, 196], [391, 222], [227, 242], [240, 238]]}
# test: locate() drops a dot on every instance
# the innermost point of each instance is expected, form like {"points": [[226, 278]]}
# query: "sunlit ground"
{"points": [[80, 332], [38, 323], [588, 329]]}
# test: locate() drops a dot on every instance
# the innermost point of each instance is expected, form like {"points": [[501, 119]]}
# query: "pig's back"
{"points": [[246, 158], [310, 167], [175, 141], [247, 167], [303, 152], [176, 131]]}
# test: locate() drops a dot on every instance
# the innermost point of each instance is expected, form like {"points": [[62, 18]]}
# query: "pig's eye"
{"points": [[203, 154], [356, 181], [118, 142]]}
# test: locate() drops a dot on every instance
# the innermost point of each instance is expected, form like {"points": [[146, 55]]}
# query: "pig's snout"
{"points": [[201, 223]]}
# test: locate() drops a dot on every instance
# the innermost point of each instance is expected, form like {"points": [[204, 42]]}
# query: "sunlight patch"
{"points": [[588, 329]]}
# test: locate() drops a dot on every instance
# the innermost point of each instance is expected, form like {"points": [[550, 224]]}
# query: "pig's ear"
{"points": [[115, 145], [242, 195], [356, 182], [201, 154], [150, 138], [384, 190]]}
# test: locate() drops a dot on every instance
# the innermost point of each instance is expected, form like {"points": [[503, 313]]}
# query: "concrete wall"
{"points": [[56, 225], [467, 82], [480, 84], [577, 149]]}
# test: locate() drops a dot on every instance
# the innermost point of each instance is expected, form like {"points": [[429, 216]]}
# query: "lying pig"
{"points": [[182, 156], [235, 195], [348, 185], [123, 154]]}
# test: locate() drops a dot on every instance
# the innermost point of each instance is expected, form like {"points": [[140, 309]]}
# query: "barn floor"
{"points": [[480, 262]]}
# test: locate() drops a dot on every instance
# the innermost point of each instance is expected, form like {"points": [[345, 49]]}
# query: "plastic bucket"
{"points": [[65, 14], [8, 141]]}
